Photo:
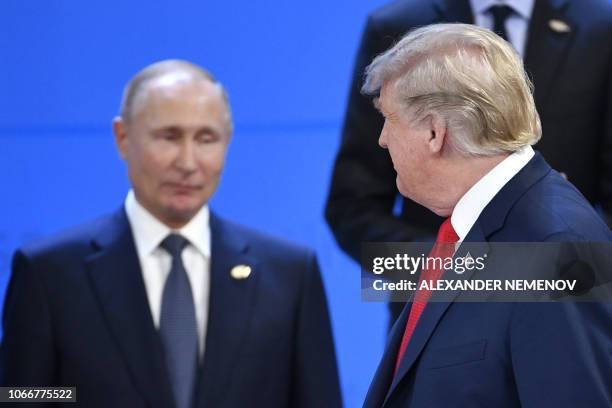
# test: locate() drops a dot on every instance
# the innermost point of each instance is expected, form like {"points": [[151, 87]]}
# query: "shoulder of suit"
{"points": [[263, 241], [594, 14], [554, 207], [603, 7], [71, 240]]}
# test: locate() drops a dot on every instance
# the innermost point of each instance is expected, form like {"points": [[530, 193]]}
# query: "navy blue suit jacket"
{"points": [[509, 354], [76, 314]]}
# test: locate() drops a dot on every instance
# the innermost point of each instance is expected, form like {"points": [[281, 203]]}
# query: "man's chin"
{"points": [[441, 212], [179, 214], [406, 193]]}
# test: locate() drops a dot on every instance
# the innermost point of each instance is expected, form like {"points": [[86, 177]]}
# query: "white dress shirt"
{"points": [[469, 207], [517, 24], [155, 262]]}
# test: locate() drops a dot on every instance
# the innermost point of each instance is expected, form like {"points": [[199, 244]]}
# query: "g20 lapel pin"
{"points": [[559, 26], [240, 272]]}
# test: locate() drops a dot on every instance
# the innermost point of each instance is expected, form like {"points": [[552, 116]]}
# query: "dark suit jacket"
{"points": [[509, 354], [77, 314], [572, 73]]}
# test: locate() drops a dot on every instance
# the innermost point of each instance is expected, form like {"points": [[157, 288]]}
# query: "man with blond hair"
{"points": [[459, 122], [566, 48]]}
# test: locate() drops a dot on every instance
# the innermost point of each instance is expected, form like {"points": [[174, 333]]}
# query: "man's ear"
{"points": [[120, 132], [437, 132]]}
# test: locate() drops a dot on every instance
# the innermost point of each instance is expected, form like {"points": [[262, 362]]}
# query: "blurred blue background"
{"points": [[286, 66]]}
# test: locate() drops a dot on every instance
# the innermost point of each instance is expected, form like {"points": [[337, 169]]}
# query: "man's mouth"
{"points": [[182, 188]]}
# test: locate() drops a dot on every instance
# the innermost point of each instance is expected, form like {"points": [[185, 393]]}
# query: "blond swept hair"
{"points": [[468, 75]]}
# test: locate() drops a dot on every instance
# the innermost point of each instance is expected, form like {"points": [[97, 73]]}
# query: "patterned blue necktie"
{"points": [[178, 327]]}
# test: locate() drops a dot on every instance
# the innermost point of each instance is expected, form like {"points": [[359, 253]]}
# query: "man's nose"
{"points": [[382, 139], [186, 160]]}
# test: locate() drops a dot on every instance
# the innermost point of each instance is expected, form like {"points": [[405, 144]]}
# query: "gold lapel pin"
{"points": [[240, 272], [559, 26]]}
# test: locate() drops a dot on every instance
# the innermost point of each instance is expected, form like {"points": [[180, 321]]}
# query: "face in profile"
{"points": [[405, 142], [175, 145]]}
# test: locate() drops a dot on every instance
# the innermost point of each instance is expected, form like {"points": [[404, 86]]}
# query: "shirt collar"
{"points": [[522, 7], [149, 232], [469, 207]]}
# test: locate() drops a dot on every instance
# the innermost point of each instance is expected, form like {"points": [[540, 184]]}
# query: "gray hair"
{"points": [[138, 83], [468, 75]]}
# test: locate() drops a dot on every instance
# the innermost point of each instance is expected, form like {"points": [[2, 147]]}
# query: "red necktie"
{"points": [[443, 248]]}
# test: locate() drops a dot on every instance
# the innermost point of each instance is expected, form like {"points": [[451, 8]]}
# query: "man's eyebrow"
{"points": [[169, 128], [179, 129]]}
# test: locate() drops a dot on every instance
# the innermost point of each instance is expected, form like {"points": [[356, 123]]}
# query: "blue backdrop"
{"points": [[286, 66]]}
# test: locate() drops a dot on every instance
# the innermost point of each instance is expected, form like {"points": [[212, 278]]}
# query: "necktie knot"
{"points": [[500, 14], [174, 244], [446, 233]]}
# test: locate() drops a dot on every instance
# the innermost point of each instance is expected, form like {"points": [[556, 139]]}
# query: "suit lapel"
{"points": [[546, 48], [230, 310], [454, 11], [475, 244], [490, 220], [116, 277]]}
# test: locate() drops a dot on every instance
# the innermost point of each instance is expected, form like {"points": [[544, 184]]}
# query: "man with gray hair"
{"points": [[163, 303], [459, 122]]}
